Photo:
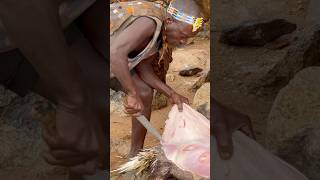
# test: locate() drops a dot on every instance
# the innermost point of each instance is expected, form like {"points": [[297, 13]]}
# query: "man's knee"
{"points": [[146, 92]]}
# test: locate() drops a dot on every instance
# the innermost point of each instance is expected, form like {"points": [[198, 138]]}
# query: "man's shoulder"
{"points": [[145, 24]]}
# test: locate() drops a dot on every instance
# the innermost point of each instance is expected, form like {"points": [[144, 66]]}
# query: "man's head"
{"points": [[178, 31]]}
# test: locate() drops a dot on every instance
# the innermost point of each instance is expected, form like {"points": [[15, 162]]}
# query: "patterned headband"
{"points": [[180, 16]]}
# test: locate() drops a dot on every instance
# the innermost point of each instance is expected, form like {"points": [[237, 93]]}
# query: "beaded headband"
{"points": [[180, 16]]}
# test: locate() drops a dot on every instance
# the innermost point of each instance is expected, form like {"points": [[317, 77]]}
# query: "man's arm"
{"points": [[128, 40], [147, 74], [132, 38]]}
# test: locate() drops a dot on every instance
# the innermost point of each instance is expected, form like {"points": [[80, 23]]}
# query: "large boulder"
{"points": [[293, 125], [201, 100], [202, 96], [303, 53], [257, 33]]}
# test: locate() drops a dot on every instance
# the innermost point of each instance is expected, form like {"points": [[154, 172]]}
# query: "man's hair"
{"points": [[189, 7]]}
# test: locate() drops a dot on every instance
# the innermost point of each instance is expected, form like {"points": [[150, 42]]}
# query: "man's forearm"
{"points": [[146, 73], [34, 27]]}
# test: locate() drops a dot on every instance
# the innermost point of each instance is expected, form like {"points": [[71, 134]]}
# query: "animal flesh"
{"points": [[186, 140]]}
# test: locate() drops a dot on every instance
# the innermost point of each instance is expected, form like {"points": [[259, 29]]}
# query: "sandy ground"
{"points": [[196, 54]]}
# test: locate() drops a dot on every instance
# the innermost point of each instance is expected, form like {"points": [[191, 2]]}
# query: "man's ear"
{"points": [[169, 20]]}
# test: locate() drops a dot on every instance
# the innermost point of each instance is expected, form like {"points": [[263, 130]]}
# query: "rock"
{"points": [[20, 137], [6, 96], [170, 77], [159, 101], [303, 54], [205, 7], [116, 102], [190, 57], [202, 96], [313, 16], [115, 84], [293, 126], [257, 33], [204, 78], [190, 71], [204, 109], [279, 43]]}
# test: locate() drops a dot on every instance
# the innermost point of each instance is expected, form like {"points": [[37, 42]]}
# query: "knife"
{"points": [[143, 120]]}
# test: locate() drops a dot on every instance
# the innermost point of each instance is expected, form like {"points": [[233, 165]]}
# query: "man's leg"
{"points": [[138, 131]]}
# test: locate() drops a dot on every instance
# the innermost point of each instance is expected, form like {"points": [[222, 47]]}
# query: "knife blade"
{"points": [[143, 120]]}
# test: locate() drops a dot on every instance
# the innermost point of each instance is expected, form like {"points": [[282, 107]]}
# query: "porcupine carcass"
{"points": [[186, 145]]}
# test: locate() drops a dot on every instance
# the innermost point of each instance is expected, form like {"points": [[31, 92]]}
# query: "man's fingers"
{"points": [[88, 168], [50, 139], [62, 154], [130, 111], [224, 140], [136, 114], [71, 161], [186, 101], [180, 106]]}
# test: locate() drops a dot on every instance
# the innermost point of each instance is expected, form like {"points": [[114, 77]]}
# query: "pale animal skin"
{"points": [[186, 140]]}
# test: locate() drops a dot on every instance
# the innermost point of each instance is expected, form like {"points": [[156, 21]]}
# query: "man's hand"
{"points": [[74, 140], [133, 105], [225, 122], [178, 99]]}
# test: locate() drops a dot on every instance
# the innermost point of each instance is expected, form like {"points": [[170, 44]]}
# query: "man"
{"points": [[138, 30]]}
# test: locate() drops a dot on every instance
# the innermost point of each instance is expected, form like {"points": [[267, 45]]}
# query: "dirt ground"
{"points": [[196, 54]]}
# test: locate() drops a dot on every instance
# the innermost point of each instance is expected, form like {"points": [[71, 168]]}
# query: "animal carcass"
{"points": [[186, 141]]}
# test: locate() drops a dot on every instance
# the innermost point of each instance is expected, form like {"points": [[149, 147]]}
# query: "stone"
{"points": [[159, 101], [303, 54], [204, 78], [257, 33], [279, 43], [20, 138], [116, 102], [204, 109], [293, 126], [6, 96], [202, 96], [195, 57], [190, 71], [170, 77]]}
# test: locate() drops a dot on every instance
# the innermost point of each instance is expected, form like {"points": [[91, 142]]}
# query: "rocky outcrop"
{"points": [[303, 53], [202, 96], [257, 33], [293, 126]]}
